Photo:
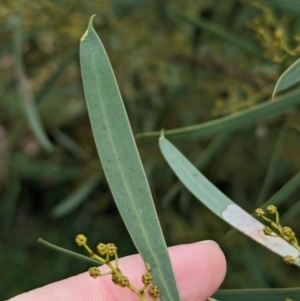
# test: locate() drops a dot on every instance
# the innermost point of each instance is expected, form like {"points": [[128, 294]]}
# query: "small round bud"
{"points": [[146, 278], [124, 282], [267, 230], [287, 231], [101, 248], [111, 249], [272, 209], [80, 240], [115, 279], [94, 272], [154, 291], [259, 212], [289, 259]]}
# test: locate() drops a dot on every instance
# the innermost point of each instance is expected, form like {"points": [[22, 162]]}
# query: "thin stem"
{"points": [[116, 261], [143, 288], [88, 249], [277, 217], [96, 257], [116, 271], [137, 292], [266, 219], [65, 251]]}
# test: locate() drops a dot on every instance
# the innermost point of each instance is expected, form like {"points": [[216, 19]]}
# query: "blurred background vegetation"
{"points": [[202, 61]]}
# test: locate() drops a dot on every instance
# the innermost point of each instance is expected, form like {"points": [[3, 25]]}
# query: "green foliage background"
{"points": [[172, 73]]}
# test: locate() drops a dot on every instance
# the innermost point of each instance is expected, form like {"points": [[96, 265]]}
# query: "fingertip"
{"points": [[199, 269]]}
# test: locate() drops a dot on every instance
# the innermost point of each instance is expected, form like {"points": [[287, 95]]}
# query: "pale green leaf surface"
{"points": [[203, 159], [232, 122], [121, 161], [290, 77], [219, 203]]}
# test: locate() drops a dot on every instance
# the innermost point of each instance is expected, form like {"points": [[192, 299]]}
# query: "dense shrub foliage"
{"points": [[177, 64]]}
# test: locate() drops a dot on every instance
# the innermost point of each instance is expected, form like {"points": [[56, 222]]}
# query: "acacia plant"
{"points": [[126, 178]]}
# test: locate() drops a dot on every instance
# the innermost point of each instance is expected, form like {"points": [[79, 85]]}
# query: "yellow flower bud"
{"points": [[287, 231], [101, 248], [146, 278], [154, 291], [289, 259], [116, 279], [259, 212], [124, 282], [267, 230], [272, 209], [111, 249], [80, 240], [94, 272]]}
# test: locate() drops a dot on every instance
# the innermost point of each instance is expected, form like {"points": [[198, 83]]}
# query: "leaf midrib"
{"points": [[125, 182]]}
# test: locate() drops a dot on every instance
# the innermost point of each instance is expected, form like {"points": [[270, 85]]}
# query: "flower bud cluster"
{"points": [[117, 278], [146, 278], [284, 232], [109, 249], [154, 292], [94, 272], [120, 280]]}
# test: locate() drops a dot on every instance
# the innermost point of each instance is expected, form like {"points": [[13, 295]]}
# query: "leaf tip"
{"points": [[90, 25], [162, 133], [273, 97], [91, 20]]}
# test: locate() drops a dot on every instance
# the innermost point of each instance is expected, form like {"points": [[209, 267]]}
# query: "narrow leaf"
{"points": [[291, 213], [69, 144], [203, 159], [76, 198], [231, 122], [277, 199], [222, 33], [271, 294], [219, 203], [273, 163], [70, 253], [121, 161], [289, 78], [290, 6], [41, 170], [48, 85], [8, 203], [26, 95]]}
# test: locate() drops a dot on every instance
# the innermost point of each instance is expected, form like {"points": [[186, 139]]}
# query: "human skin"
{"points": [[199, 270]]}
